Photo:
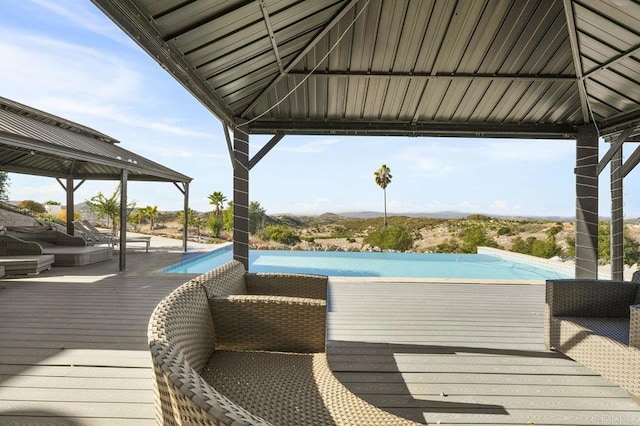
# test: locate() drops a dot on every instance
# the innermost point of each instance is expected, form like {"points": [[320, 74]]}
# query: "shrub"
{"points": [[280, 234], [504, 230], [341, 232], [33, 207], [452, 245], [534, 247], [391, 237], [215, 225], [554, 230], [475, 236], [630, 247]]}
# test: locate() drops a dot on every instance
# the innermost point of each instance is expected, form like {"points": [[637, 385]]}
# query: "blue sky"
{"points": [[67, 58]]}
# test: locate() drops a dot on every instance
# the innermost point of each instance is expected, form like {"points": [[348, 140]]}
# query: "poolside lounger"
{"points": [[98, 236], [90, 236], [95, 230], [146, 240]]}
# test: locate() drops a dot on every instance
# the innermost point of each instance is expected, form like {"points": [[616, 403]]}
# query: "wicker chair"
{"points": [[239, 359], [597, 323]]}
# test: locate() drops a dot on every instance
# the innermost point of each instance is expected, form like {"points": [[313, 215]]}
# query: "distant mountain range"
{"points": [[435, 215]]}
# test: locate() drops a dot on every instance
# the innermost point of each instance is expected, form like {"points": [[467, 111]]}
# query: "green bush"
{"points": [[630, 247], [341, 232], [215, 224], [391, 237], [473, 237], [532, 246], [452, 245], [504, 230], [280, 234]]}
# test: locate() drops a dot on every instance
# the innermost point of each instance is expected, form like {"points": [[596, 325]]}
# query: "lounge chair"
{"points": [[99, 237], [92, 237], [17, 258], [42, 240], [95, 230]]}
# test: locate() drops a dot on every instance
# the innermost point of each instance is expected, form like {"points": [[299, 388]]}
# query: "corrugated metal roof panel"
{"points": [[38, 143], [494, 62]]}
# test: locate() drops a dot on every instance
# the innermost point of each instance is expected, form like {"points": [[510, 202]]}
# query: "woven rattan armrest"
{"points": [[590, 298], [634, 327], [293, 285], [269, 323]]}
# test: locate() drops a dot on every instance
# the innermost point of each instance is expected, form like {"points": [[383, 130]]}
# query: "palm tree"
{"points": [[383, 178], [217, 199], [152, 213]]}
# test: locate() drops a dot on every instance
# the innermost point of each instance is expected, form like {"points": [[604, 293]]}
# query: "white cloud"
{"points": [[83, 15], [426, 159], [508, 151], [317, 206], [502, 206], [71, 80], [40, 193], [467, 206]]}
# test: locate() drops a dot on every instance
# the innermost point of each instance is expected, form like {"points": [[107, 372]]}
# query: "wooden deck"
{"points": [[73, 351]]}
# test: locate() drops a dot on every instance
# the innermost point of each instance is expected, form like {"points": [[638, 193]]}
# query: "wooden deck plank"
{"points": [[73, 351], [75, 421], [462, 354]]}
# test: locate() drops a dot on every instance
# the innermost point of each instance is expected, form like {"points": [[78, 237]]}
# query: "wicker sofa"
{"points": [[44, 240], [597, 323], [234, 348]]}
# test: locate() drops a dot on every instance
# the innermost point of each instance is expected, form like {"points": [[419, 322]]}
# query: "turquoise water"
{"points": [[358, 264]]}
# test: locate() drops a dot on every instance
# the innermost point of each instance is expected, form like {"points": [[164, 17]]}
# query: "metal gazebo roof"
{"points": [[501, 68], [38, 143]]}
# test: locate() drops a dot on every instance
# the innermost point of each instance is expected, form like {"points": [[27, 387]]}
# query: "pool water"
{"points": [[366, 264]]}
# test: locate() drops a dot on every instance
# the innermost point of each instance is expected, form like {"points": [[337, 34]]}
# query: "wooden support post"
{"points": [[241, 196], [587, 202], [617, 218]]}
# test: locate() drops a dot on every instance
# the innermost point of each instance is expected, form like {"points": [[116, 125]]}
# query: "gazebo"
{"points": [[556, 69], [37, 143]]}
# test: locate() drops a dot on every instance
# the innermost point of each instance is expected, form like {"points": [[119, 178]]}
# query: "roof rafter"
{"points": [[577, 63], [439, 76], [635, 49], [300, 55], [272, 36]]}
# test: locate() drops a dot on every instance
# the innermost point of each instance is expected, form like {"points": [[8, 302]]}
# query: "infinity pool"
{"points": [[365, 264]]}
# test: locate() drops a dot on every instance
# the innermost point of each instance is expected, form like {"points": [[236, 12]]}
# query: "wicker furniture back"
{"points": [[45, 235], [597, 323], [223, 356]]}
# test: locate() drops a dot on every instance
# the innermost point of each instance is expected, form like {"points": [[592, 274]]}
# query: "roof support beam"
{"points": [[265, 149], [227, 136], [577, 63], [300, 55], [272, 36], [631, 162], [615, 146], [614, 60], [404, 128], [427, 76]]}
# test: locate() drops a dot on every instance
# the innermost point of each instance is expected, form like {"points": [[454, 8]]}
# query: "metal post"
{"points": [[123, 220], [70, 209], [587, 202], [617, 218], [185, 229], [241, 196]]}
